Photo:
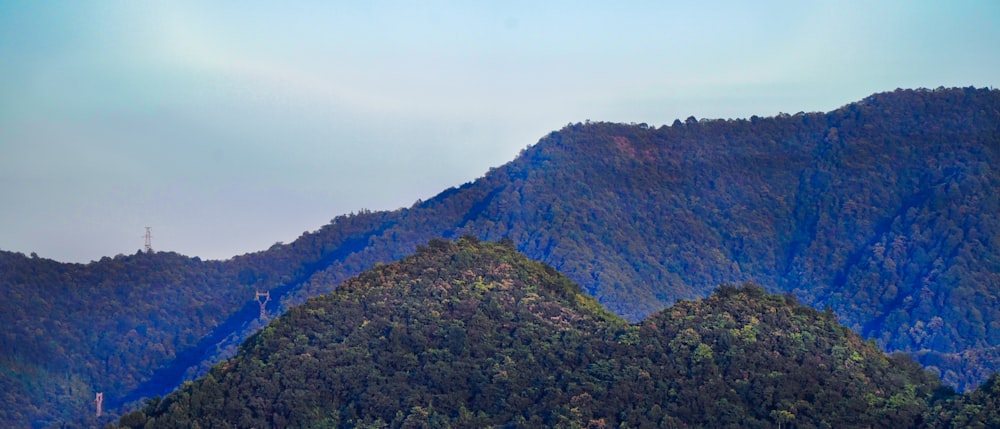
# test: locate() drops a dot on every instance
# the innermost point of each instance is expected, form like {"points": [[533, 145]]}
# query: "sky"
{"points": [[229, 126]]}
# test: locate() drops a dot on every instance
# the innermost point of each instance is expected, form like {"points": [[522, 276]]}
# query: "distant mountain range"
{"points": [[883, 211]]}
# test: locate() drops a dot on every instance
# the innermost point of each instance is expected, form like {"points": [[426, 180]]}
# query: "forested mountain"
{"points": [[883, 210], [475, 335]]}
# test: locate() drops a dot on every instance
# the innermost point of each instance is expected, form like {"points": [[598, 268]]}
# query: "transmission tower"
{"points": [[100, 402], [267, 297], [149, 240]]}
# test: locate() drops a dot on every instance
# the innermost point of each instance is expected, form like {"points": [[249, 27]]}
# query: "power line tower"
{"points": [[149, 240], [267, 297]]}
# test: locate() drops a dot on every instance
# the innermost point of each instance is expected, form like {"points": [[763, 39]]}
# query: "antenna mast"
{"points": [[149, 240]]}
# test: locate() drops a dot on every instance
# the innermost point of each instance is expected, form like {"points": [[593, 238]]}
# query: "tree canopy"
{"points": [[473, 334]]}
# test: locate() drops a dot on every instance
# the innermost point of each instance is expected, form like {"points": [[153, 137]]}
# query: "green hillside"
{"points": [[473, 334]]}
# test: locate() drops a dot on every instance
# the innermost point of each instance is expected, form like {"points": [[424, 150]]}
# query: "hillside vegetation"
{"points": [[883, 211], [475, 335]]}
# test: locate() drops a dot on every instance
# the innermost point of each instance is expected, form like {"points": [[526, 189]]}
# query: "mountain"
{"points": [[883, 211], [473, 334]]}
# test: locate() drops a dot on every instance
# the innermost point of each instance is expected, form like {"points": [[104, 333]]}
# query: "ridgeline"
{"points": [[883, 211]]}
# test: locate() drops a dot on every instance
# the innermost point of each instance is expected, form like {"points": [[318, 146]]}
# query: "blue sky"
{"points": [[228, 126]]}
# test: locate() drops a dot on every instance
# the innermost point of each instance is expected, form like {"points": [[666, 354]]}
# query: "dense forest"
{"points": [[475, 335], [883, 211]]}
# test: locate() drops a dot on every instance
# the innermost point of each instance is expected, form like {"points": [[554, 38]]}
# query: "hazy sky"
{"points": [[228, 126]]}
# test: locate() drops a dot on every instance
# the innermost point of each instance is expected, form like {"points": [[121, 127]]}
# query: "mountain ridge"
{"points": [[804, 204]]}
